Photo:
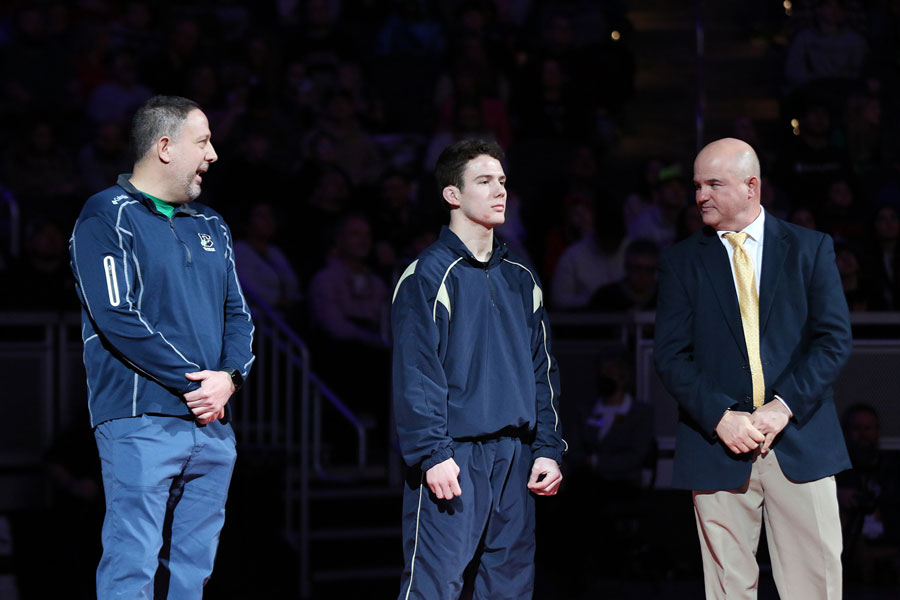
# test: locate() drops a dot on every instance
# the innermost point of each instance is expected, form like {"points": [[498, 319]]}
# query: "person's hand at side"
{"points": [[208, 401], [547, 485], [737, 432], [443, 480]]}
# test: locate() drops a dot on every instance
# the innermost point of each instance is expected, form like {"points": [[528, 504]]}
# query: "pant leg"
{"points": [[440, 537], [506, 569], [197, 504], [139, 461], [803, 530], [729, 523]]}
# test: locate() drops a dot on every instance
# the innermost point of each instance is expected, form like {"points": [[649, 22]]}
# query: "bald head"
{"points": [[735, 154], [727, 183]]}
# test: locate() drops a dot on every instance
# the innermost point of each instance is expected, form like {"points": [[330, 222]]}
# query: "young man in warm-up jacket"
{"points": [[476, 394]]}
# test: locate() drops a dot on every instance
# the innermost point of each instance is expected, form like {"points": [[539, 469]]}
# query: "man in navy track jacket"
{"points": [[476, 392], [167, 341]]}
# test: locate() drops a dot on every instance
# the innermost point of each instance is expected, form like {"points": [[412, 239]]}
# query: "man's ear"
{"points": [[451, 196], [163, 149], [753, 186]]}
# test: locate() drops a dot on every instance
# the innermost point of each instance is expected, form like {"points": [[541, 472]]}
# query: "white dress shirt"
{"points": [[754, 247]]}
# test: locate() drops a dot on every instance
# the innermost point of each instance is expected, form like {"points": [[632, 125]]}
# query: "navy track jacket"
{"points": [[471, 353], [160, 298]]}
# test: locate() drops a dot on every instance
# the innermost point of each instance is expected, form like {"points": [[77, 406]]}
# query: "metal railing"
{"points": [[277, 415], [870, 375], [280, 411]]}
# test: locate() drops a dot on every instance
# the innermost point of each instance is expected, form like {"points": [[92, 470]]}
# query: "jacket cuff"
{"points": [[548, 452], [437, 458]]}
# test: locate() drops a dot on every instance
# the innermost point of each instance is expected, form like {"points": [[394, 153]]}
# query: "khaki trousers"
{"points": [[802, 528]]}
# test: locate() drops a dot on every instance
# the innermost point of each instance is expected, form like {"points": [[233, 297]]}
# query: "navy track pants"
{"points": [[490, 526]]}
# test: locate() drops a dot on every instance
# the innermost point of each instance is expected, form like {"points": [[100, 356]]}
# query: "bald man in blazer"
{"points": [[774, 463]]}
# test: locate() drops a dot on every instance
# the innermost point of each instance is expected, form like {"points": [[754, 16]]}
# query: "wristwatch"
{"points": [[236, 378]]}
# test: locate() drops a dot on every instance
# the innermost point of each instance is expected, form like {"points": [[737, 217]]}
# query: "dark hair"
{"points": [[160, 116], [451, 164]]}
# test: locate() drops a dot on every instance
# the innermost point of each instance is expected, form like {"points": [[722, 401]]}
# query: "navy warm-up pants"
{"points": [[490, 526]]}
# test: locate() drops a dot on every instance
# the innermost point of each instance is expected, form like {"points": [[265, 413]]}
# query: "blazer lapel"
{"points": [[715, 261], [775, 247]]}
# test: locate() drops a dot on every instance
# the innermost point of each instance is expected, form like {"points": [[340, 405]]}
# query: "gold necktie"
{"points": [[748, 298]]}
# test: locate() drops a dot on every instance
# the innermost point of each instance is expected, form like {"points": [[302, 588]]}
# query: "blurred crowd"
{"points": [[328, 116]]}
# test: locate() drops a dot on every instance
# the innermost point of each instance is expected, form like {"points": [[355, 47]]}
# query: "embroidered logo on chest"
{"points": [[206, 242]]}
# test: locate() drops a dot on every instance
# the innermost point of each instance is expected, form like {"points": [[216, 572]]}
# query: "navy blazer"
{"points": [[701, 355]]}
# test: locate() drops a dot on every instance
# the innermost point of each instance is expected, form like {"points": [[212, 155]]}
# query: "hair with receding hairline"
{"points": [[158, 117]]}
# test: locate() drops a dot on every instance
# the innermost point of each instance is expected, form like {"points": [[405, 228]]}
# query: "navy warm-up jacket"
{"points": [[160, 298], [472, 354]]}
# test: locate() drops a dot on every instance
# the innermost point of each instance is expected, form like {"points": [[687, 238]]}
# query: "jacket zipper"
{"points": [[186, 249], [490, 286]]}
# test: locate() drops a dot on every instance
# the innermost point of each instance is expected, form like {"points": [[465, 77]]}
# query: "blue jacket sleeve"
{"points": [[419, 382], [673, 353], [237, 347], [813, 370], [105, 277], [548, 440]]}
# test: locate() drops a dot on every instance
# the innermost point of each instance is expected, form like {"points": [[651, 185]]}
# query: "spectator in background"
{"points": [[565, 210], [828, 50], [637, 290], [577, 224], [263, 269], [41, 279], [840, 215], [614, 434], [690, 221], [863, 129], [348, 308], [611, 440], [167, 71], [853, 279], [462, 87], [329, 195], [119, 96], [104, 157], [348, 302], [881, 258], [590, 263], [354, 149], [659, 224], [40, 172], [640, 200], [410, 40], [869, 499], [467, 123], [549, 107], [393, 219], [809, 161], [76, 512], [803, 216], [744, 128]]}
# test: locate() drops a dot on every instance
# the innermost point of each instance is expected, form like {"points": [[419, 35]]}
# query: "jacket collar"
{"points": [[124, 182], [715, 260], [452, 241]]}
